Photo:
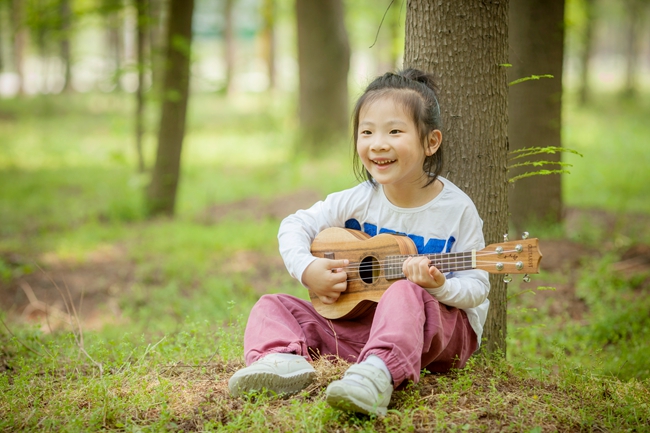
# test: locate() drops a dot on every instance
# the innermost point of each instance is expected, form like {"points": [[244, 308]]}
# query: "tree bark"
{"points": [[535, 106], [464, 44], [141, 31], [323, 62], [161, 193]]}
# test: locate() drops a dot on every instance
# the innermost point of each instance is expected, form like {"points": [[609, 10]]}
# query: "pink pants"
{"points": [[408, 329]]}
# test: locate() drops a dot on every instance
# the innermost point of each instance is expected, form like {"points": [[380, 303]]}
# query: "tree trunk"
{"points": [[65, 44], [156, 35], [2, 22], [323, 62], [268, 39], [634, 15], [141, 30], [535, 106], [464, 44], [19, 42], [161, 194], [229, 49], [585, 55]]}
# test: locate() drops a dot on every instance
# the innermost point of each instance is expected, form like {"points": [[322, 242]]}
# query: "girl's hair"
{"points": [[416, 91]]}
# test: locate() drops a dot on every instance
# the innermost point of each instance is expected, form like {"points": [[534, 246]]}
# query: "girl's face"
{"points": [[388, 144]]}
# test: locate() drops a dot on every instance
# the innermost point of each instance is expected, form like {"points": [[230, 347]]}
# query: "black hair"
{"points": [[417, 92]]}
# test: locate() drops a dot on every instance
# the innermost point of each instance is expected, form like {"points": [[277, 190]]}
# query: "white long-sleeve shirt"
{"points": [[448, 223]]}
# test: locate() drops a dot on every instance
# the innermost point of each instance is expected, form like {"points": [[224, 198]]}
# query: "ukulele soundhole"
{"points": [[369, 270]]}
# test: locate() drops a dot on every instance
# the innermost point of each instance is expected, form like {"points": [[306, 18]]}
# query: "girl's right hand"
{"points": [[326, 278]]}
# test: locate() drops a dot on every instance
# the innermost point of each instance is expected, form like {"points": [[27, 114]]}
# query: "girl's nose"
{"points": [[378, 144]]}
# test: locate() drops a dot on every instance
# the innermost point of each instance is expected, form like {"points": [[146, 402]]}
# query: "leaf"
{"points": [[532, 77], [528, 151], [537, 173], [539, 164]]}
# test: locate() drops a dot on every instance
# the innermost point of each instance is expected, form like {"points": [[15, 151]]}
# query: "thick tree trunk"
{"points": [[464, 43], [585, 55], [324, 62], [535, 106], [141, 31], [161, 194]]}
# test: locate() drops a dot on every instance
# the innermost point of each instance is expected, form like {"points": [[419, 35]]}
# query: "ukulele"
{"points": [[375, 262]]}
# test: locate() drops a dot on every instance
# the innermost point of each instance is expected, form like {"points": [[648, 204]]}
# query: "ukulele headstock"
{"points": [[511, 257]]}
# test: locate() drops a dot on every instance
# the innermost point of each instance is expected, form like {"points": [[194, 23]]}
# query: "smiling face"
{"points": [[391, 149]]}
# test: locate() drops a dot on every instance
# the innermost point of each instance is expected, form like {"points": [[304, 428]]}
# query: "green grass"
{"points": [[162, 304]]}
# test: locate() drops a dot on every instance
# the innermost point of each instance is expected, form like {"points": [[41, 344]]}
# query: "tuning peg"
{"points": [[507, 278], [525, 235], [505, 237], [526, 278]]}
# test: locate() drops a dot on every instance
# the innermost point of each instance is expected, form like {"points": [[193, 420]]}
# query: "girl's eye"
{"points": [[366, 132], [395, 131]]}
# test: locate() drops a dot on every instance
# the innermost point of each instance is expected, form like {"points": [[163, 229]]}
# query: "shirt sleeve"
{"points": [[466, 289], [297, 231]]}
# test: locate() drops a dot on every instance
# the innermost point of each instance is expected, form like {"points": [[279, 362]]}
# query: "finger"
{"points": [[338, 265]]}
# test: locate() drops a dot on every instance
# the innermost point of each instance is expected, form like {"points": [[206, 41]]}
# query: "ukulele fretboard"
{"points": [[445, 262]]}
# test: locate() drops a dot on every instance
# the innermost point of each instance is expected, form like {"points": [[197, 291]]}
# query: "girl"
{"points": [[430, 320]]}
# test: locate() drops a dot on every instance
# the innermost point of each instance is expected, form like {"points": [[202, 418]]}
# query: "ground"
{"points": [[47, 294]]}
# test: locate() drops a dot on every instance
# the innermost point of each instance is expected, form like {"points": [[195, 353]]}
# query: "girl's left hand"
{"points": [[418, 271]]}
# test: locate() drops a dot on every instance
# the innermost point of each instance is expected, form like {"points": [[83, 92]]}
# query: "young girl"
{"points": [[430, 320]]}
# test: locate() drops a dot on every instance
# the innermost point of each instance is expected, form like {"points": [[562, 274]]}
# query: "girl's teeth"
{"points": [[384, 162]]}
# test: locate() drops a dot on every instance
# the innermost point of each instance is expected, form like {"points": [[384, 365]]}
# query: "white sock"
{"points": [[283, 356], [376, 361]]}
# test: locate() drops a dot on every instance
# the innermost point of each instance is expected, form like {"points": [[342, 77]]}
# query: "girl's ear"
{"points": [[433, 142]]}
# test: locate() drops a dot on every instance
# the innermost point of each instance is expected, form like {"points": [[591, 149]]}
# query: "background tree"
{"points": [[19, 41], [65, 21], [634, 10], [324, 63], [229, 41], [141, 38], [267, 36], [161, 193], [465, 51], [536, 36], [587, 50]]}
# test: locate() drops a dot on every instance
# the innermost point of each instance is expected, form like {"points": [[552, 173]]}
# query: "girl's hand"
{"points": [[326, 278], [418, 271]]}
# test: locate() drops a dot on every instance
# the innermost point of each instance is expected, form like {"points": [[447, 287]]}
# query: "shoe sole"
{"points": [[339, 399], [275, 383]]}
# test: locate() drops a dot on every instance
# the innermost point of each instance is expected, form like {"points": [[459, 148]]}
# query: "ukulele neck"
{"points": [[445, 262]]}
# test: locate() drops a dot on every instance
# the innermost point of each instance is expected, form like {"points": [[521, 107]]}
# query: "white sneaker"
{"points": [[364, 388], [279, 373]]}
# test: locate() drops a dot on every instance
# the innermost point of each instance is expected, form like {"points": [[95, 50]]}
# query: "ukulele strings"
{"points": [[463, 258]]}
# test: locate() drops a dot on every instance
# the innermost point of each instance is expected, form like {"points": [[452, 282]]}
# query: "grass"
{"points": [[136, 325]]}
